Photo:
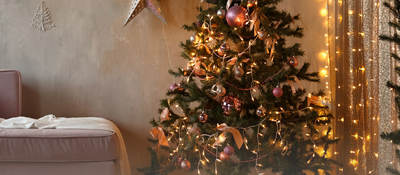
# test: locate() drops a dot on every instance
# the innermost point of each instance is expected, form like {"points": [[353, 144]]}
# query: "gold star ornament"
{"points": [[138, 5]]}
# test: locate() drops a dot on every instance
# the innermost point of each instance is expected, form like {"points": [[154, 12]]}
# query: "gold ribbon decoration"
{"points": [[158, 133], [315, 100], [235, 132]]}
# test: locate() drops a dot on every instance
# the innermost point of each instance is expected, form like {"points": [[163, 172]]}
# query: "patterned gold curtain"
{"points": [[360, 67]]}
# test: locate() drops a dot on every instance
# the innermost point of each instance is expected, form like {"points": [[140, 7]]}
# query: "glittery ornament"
{"points": [[211, 42], [218, 90], [138, 5], [293, 61], [236, 16], [278, 92], [221, 13], [223, 156], [185, 164], [164, 115], [229, 103], [203, 117], [261, 111], [229, 150], [176, 109]]}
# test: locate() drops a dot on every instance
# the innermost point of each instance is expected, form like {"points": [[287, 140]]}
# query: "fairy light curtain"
{"points": [[360, 67]]}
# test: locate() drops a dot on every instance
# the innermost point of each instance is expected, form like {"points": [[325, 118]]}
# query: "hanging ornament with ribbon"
{"points": [[137, 6]]}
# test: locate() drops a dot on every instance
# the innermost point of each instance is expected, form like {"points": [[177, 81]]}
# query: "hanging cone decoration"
{"points": [[154, 6], [42, 18], [137, 6]]}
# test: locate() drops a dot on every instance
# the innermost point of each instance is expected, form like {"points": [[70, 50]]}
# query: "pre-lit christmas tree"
{"points": [[240, 105], [394, 136]]}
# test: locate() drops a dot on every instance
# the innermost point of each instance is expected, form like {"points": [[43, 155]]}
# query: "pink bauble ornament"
{"points": [[229, 150], [293, 61], [278, 92], [236, 16], [185, 164], [223, 156]]}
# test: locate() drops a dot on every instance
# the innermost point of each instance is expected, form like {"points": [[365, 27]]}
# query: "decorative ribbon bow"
{"points": [[235, 132], [158, 133]]}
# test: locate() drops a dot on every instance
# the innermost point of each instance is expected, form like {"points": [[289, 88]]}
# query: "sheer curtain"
{"points": [[361, 66]]}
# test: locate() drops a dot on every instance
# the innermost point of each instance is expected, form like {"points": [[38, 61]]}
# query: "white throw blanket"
{"points": [[53, 122]]}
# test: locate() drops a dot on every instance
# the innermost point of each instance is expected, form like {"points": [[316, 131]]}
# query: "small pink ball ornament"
{"points": [[277, 92]]}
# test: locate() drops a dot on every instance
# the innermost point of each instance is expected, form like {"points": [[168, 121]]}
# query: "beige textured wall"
{"points": [[89, 65]]}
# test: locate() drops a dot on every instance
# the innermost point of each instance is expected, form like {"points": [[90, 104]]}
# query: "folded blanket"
{"points": [[53, 122]]}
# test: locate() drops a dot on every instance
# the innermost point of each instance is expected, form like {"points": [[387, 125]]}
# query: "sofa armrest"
{"points": [[10, 93]]}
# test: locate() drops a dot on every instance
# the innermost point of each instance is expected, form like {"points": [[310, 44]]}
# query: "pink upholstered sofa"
{"points": [[51, 151]]}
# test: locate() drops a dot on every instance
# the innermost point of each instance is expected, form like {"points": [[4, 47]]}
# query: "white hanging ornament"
{"points": [[42, 18], [164, 115], [138, 5]]}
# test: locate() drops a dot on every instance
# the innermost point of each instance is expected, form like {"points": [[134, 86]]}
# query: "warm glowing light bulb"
{"points": [[323, 12], [353, 162], [323, 55], [323, 73]]}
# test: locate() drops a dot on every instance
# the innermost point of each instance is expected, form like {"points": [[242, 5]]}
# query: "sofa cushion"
{"points": [[57, 145]]}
